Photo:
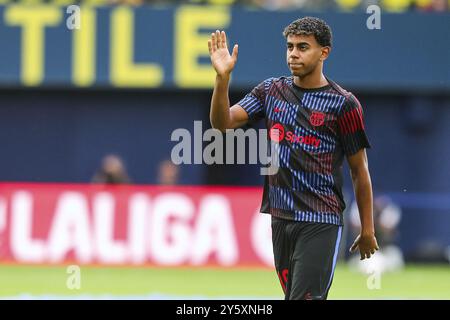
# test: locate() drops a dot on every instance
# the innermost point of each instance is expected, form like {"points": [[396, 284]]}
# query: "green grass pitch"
{"points": [[29, 282]]}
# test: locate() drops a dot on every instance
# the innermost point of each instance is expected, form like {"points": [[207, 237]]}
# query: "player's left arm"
{"points": [[362, 185]]}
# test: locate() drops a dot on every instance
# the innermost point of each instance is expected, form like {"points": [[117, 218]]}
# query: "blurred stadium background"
{"points": [[86, 118]]}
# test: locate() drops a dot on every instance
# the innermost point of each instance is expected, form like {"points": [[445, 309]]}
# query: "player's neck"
{"points": [[311, 81]]}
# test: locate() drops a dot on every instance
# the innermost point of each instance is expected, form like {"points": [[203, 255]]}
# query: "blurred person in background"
{"points": [[436, 6], [112, 171], [168, 173], [309, 5], [387, 216], [129, 2]]}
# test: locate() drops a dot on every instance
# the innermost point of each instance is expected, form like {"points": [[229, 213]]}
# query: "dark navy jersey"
{"points": [[315, 129]]}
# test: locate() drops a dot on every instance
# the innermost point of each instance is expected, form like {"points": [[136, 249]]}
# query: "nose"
{"points": [[295, 53]]}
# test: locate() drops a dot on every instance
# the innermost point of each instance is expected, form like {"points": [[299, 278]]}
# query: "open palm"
{"points": [[221, 59]]}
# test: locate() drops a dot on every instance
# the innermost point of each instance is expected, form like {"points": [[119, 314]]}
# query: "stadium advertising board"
{"points": [[133, 225], [166, 47]]}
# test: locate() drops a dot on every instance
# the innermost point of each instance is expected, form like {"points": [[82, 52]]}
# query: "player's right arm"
{"points": [[223, 117]]}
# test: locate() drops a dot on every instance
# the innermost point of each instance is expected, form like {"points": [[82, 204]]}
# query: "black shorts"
{"points": [[305, 257]]}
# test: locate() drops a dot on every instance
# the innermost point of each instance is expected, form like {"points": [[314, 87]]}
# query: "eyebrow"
{"points": [[298, 44]]}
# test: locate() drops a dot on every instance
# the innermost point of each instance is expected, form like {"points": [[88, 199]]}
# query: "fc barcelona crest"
{"points": [[317, 118]]}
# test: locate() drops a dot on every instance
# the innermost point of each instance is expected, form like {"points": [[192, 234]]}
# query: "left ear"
{"points": [[325, 52]]}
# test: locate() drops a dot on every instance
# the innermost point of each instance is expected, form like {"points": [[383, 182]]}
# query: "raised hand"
{"points": [[221, 59]]}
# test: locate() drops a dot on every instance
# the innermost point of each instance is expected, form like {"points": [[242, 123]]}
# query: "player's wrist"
{"points": [[224, 76], [369, 232]]}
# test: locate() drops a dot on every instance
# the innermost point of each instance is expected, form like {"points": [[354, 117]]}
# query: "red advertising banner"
{"points": [[133, 225]]}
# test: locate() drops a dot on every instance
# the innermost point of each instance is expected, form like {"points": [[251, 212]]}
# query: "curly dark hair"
{"points": [[310, 25]]}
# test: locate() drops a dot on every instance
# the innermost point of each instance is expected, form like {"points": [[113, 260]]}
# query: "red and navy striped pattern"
{"points": [[308, 184], [351, 121]]}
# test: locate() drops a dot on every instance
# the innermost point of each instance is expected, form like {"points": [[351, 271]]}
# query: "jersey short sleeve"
{"points": [[351, 127], [254, 102]]}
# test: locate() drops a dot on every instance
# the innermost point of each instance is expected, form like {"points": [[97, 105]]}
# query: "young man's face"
{"points": [[304, 54]]}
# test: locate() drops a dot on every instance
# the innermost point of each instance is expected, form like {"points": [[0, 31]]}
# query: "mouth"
{"points": [[296, 65]]}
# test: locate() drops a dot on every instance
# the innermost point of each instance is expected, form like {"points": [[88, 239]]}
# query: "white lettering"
{"points": [[70, 229], [215, 232]]}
